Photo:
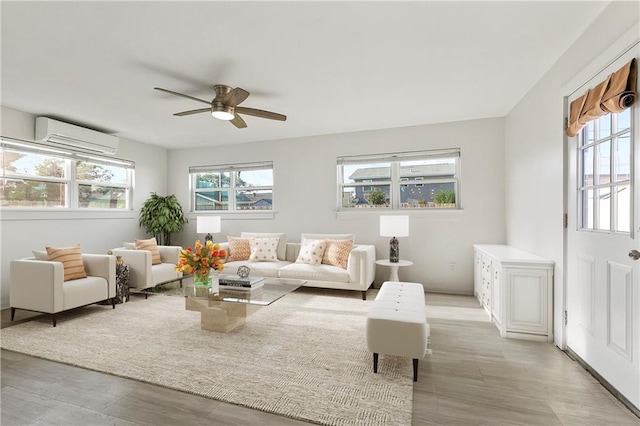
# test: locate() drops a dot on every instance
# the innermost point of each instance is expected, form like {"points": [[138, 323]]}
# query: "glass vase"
{"points": [[200, 279]]}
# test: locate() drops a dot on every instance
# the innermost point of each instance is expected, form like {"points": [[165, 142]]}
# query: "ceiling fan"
{"points": [[225, 106]]}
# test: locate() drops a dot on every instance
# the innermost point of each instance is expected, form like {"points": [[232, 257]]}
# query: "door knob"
{"points": [[634, 254]]}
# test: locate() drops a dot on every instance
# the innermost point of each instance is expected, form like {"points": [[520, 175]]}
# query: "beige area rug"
{"points": [[303, 357]]}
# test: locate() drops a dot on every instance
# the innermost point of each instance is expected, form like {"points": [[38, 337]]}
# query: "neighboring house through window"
{"points": [[424, 179], [232, 187]]}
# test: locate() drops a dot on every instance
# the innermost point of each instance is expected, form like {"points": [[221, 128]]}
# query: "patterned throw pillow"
{"points": [[311, 251], [71, 258], [263, 249], [239, 249], [151, 245], [337, 253]]}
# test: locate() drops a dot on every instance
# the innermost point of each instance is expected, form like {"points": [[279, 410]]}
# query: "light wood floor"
{"points": [[473, 377]]}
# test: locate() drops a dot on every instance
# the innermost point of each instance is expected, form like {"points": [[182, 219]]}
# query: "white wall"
{"points": [[534, 149], [96, 233], [305, 190]]}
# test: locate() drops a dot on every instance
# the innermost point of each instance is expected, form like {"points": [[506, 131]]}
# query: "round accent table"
{"points": [[393, 267]]}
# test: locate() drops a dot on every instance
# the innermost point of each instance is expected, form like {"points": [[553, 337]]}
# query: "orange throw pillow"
{"points": [[337, 253], [239, 249], [71, 258], [151, 245]]}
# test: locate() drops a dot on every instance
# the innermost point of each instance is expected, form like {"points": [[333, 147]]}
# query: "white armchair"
{"points": [[38, 285], [142, 274]]}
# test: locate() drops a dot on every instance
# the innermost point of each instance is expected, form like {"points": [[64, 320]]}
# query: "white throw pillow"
{"points": [[311, 251], [282, 240], [129, 246], [263, 249]]}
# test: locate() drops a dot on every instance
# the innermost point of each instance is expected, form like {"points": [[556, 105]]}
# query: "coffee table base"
{"points": [[220, 316]]}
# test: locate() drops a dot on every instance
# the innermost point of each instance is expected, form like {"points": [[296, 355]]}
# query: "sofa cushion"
{"points": [[84, 291], [311, 251], [263, 249], [282, 241], [337, 253], [71, 258], [239, 249], [304, 271], [163, 272], [151, 245]]}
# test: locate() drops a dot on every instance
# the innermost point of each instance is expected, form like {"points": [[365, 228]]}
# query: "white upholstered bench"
{"points": [[397, 323]]}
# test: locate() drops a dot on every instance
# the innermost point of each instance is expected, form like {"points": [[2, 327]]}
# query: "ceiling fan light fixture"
{"points": [[222, 112]]}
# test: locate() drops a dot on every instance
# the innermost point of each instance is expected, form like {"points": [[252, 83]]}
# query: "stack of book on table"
{"points": [[235, 282]]}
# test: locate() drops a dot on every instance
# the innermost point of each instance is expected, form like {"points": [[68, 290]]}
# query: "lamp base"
{"points": [[394, 250], [209, 237]]}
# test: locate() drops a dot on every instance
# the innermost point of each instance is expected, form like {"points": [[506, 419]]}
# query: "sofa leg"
{"points": [[375, 362], [415, 369], [13, 313], [53, 319], [364, 295]]}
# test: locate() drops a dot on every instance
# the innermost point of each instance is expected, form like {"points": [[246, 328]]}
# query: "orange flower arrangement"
{"points": [[201, 260]]}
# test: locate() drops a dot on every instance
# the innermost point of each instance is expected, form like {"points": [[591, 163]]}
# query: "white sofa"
{"points": [[38, 285], [359, 274], [142, 274]]}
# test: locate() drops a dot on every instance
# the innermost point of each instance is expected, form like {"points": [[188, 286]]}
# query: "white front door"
{"points": [[603, 227]]}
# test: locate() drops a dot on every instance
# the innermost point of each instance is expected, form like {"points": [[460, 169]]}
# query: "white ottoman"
{"points": [[397, 323]]}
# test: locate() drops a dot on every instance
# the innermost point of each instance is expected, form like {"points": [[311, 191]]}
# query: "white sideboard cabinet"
{"points": [[516, 290]]}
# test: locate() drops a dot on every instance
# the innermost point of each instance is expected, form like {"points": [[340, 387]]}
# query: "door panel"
{"points": [[602, 281]]}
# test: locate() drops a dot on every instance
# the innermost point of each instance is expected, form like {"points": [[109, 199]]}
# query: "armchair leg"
{"points": [[13, 313], [415, 369], [364, 295], [113, 302], [375, 362], [53, 318]]}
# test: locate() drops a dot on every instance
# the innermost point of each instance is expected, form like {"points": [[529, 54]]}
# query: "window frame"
{"points": [[72, 184], [232, 189], [397, 180]]}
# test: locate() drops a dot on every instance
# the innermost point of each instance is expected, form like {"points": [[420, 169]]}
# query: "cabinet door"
{"points": [[477, 276], [496, 271], [486, 283], [527, 294]]}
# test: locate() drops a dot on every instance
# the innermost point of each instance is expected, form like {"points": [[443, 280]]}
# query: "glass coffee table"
{"points": [[226, 308]]}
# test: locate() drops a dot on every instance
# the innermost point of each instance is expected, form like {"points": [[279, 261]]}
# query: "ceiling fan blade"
{"points": [[182, 94], [261, 113], [193, 111], [238, 122], [235, 97]]}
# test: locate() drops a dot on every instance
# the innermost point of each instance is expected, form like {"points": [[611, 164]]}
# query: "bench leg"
{"points": [[415, 369], [375, 362]]}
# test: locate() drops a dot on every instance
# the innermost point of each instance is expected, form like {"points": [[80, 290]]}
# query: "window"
{"points": [[37, 176], [232, 187], [411, 180], [604, 184]]}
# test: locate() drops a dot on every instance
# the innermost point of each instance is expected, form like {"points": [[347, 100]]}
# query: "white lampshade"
{"points": [[208, 224], [394, 226]]}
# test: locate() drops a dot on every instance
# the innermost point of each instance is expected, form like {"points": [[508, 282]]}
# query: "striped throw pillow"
{"points": [[71, 259], [151, 245]]}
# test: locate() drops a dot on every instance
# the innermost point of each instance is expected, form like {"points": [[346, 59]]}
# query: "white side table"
{"points": [[393, 267]]}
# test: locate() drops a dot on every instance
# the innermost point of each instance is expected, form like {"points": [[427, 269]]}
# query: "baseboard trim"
{"points": [[608, 386]]}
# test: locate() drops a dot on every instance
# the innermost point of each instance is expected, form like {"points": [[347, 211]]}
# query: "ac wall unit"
{"points": [[59, 133]]}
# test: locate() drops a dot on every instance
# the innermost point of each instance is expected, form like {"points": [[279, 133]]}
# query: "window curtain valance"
{"points": [[615, 94]]}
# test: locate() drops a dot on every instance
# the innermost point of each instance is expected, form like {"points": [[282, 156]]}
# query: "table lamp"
{"points": [[208, 224], [394, 226]]}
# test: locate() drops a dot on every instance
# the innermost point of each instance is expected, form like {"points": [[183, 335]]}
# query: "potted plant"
{"points": [[160, 216]]}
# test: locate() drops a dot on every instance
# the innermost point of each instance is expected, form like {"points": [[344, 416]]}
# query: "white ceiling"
{"points": [[331, 67]]}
